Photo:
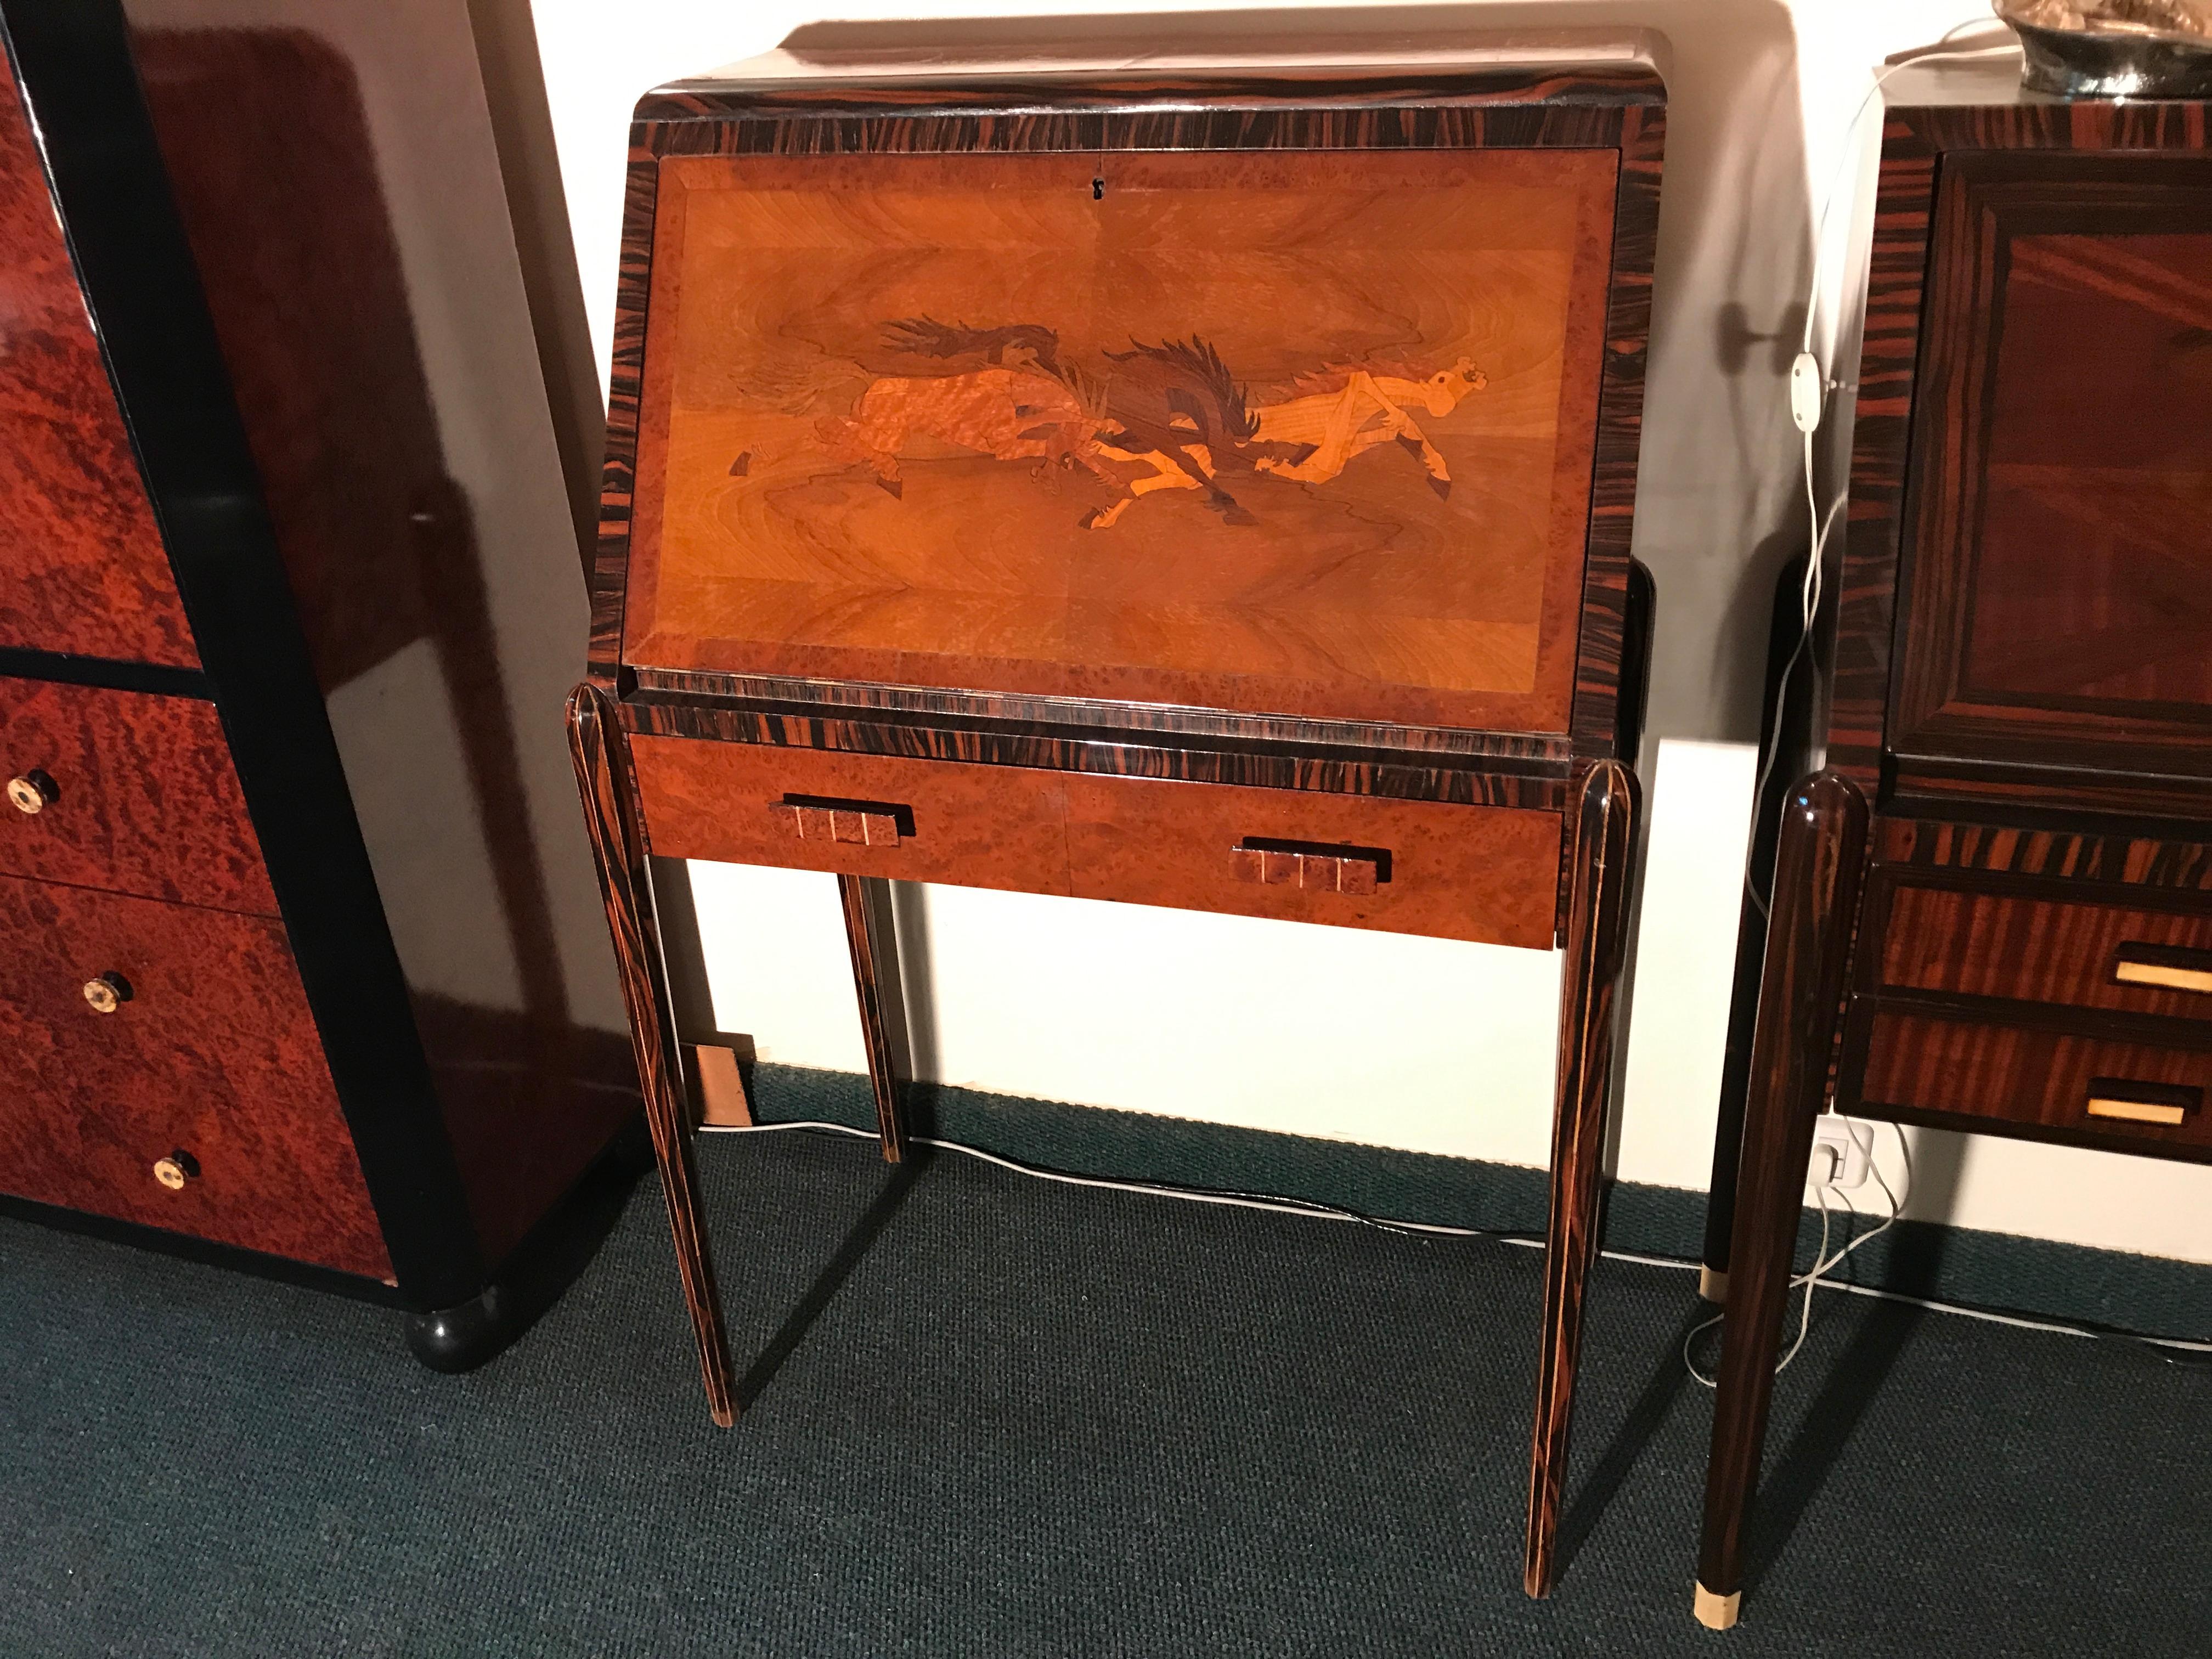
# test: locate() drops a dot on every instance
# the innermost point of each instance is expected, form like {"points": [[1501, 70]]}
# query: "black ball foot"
{"points": [[463, 1336]]}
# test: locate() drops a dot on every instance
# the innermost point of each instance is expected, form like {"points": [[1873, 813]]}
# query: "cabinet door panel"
{"points": [[2057, 607]]}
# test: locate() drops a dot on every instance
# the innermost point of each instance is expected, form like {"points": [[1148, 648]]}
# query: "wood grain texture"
{"points": [[1907, 319], [1819, 860], [1447, 871], [611, 815], [1539, 786], [973, 826], [1948, 943], [1103, 717], [1442, 112], [2074, 854], [1014, 423], [871, 937], [1601, 867], [213, 1051], [146, 800], [2002, 1075], [2055, 569], [85, 570]]}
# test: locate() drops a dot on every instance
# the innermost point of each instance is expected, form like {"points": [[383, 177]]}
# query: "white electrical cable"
{"points": [[1808, 405], [1318, 1212]]}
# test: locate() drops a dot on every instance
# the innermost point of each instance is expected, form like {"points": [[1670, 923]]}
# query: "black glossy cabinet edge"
{"points": [[73, 60]]}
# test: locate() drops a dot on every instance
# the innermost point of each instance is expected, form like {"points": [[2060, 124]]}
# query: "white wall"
{"points": [[1177, 1013]]}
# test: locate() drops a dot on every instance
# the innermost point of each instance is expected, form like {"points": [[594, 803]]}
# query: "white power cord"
{"points": [[1823, 1263], [1810, 384], [1318, 1211]]}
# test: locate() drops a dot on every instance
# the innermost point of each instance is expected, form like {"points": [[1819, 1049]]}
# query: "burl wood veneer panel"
{"points": [[213, 1053], [2027, 950], [83, 568], [145, 799], [969, 826], [1471, 873], [2040, 1079], [2060, 585], [1305, 434]]}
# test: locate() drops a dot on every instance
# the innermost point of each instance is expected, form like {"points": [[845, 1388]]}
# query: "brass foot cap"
{"points": [[1718, 1611], [1713, 1285]]}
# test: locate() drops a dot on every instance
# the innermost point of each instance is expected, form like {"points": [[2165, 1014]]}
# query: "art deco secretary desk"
{"points": [[1993, 900], [1203, 482]]}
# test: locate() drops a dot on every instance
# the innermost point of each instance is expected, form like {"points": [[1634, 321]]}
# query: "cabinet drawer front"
{"points": [[126, 792], [135, 1031], [867, 815], [2044, 951], [1470, 872], [2132, 1095]]}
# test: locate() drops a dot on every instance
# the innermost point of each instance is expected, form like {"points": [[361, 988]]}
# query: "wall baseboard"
{"points": [[1999, 1271]]}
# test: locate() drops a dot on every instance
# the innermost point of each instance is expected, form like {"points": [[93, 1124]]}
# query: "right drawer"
{"points": [[2070, 953], [135, 1031], [2134, 1096], [125, 791]]}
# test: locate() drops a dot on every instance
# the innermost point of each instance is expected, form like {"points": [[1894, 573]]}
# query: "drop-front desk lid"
{"points": [[1271, 384]]}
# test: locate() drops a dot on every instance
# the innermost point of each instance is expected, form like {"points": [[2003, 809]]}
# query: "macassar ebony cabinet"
{"points": [[285, 982], [1992, 904], [1197, 478]]}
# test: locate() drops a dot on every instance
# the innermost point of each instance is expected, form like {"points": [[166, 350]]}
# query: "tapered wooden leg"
{"points": [[870, 933], [1597, 928], [1819, 866], [603, 779]]}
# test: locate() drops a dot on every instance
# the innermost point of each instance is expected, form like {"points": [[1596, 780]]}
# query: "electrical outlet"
{"points": [[1842, 1148]]}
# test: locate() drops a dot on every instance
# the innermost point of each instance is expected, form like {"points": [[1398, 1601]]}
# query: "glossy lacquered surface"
{"points": [[83, 568], [142, 798], [1960, 1071], [1450, 872], [209, 1049], [1304, 434], [2070, 953], [2055, 578]]}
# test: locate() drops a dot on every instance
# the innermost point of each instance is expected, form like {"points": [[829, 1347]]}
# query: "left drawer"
{"points": [[163, 1068], [126, 792]]}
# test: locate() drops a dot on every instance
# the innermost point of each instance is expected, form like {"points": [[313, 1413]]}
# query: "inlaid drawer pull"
{"points": [[33, 791], [855, 822], [2163, 1103], [106, 992], [2168, 967], [1316, 868]]}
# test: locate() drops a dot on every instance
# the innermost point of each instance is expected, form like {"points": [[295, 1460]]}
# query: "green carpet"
{"points": [[990, 1416]]}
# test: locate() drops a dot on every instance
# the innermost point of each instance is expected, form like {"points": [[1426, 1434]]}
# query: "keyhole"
{"points": [[1098, 188]]}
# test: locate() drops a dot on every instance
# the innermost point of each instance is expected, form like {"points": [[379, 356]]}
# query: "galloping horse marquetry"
{"points": [[1173, 407], [1176, 408], [1016, 407], [1352, 410]]}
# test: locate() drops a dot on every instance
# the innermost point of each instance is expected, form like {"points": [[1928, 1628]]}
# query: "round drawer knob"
{"points": [[33, 791], [174, 1170], [108, 992]]}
